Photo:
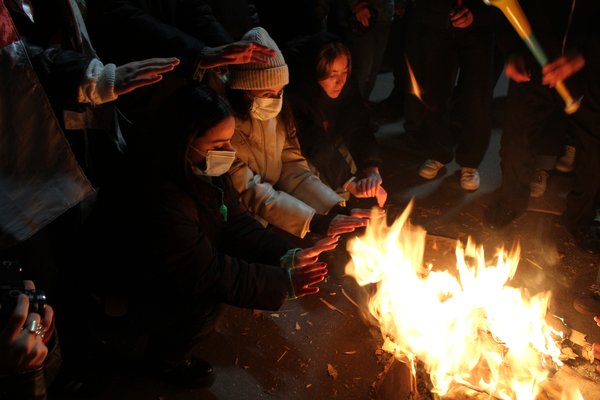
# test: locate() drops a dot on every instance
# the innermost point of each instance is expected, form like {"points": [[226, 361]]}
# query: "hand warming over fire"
{"points": [[303, 278], [368, 185], [345, 223], [311, 254], [136, 74]]}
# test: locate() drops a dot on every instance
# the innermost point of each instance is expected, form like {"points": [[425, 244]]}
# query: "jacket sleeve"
{"points": [[276, 207], [189, 259], [246, 237], [299, 181], [60, 72]]}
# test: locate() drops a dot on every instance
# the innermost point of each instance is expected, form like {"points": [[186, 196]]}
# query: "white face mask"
{"points": [[218, 162], [265, 108]]}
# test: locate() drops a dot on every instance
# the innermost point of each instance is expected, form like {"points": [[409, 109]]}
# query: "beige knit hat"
{"points": [[256, 76]]}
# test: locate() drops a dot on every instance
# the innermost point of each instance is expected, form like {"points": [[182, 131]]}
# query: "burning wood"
{"points": [[472, 331]]}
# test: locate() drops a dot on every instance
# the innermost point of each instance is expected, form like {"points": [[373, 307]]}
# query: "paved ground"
{"points": [[323, 346]]}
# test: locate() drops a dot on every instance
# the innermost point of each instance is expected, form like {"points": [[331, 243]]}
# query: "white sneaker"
{"points": [[538, 184], [469, 178], [430, 169], [565, 163]]}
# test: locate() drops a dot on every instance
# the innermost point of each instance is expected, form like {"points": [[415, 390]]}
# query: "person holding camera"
{"points": [[187, 243], [26, 341]]}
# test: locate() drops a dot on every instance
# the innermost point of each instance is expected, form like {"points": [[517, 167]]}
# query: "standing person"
{"points": [[572, 44], [333, 125], [270, 172], [182, 235], [55, 93], [456, 37], [365, 26], [391, 108]]}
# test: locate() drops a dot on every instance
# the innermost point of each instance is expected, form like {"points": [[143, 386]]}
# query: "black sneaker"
{"points": [[192, 374]]}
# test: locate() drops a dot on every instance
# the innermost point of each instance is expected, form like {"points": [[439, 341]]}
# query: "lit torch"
{"points": [[513, 12]]}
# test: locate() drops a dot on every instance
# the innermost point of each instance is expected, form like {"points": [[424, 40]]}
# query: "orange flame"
{"points": [[473, 331], [415, 89]]}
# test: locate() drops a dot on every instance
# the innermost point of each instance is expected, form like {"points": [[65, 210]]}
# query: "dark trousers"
{"points": [[584, 199], [367, 51], [529, 107], [470, 53]]}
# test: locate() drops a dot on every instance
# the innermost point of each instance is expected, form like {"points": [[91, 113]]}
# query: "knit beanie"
{"points": [[256, 76]]}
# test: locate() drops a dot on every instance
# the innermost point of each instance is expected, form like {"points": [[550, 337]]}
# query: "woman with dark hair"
{"points": [[195, 246], [270, 172], [333, 123]]}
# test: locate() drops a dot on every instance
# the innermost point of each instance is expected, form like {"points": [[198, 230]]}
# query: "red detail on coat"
{"points": [[8, 31]]}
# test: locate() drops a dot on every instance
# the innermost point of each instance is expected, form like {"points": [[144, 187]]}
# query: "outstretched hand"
{"points": [[341, 224], [358, 217], [303, 278], [311, 254], [136, 74], [367, 186], [239, 52]]}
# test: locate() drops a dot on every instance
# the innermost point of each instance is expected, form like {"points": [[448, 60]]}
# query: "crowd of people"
{"points": [[211, 148]]}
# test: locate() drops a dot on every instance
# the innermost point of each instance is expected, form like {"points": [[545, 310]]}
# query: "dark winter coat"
{"points": [[324, 123], [169, 247]]}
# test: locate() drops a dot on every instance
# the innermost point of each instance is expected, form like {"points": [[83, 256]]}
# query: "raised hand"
{"points": [[141, 73], [367, 186], [240, 52], [303, 278], [311, 254]]}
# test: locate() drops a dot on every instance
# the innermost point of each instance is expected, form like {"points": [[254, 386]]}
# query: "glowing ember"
{"points": [[473, 331], [415, 89]]}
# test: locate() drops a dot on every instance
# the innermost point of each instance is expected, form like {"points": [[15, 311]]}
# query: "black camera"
{"points": [[11, 286]]}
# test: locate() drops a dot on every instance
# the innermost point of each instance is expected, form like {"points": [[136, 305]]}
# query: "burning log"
{"points": [[398, 383], [477, 336]]}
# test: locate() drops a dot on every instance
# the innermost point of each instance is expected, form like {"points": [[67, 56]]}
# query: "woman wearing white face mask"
{"points": [[190, 243], [270, 172]]}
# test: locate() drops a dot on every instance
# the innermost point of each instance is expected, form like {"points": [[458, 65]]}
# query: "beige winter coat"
{"points": [[274, 179]]}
